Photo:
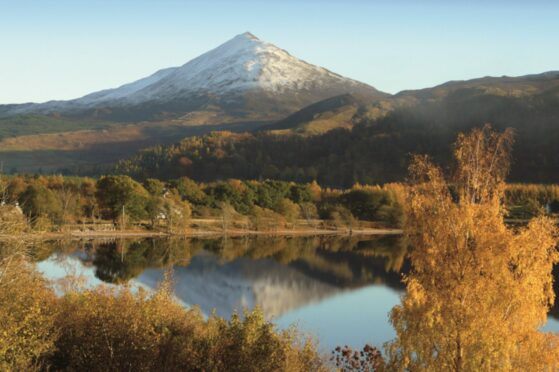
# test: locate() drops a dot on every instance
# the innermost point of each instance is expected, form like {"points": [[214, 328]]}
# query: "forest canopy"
{"points": [[374, 149]]}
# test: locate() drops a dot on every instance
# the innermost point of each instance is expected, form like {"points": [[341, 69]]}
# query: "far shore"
{"points": [[138, 233]]}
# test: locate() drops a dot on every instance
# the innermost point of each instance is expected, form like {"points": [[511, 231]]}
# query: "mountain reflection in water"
{"points": [[339, 289]]}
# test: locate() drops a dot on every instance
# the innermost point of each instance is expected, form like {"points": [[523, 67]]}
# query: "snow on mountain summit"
{"points": [[242, 63]]}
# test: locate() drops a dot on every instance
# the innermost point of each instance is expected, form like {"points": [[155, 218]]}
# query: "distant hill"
{"points": [[342, 111], [483, 97], [371, 141], [505, 86], [336, 112]]}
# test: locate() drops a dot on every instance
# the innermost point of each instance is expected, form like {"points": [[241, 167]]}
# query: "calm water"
{"points": [[338, 289]]}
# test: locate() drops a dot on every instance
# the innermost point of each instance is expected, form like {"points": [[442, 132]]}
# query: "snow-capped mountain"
{"points": [[245, 75]]}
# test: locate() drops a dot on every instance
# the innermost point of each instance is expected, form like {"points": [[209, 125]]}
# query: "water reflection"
{"points": [[340, 289], [341, 262]]}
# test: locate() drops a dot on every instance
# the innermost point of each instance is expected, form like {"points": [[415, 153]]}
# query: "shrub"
{"points": [[28, 311], [105, 329], [109, 329], [263, 219], [12, 221]]}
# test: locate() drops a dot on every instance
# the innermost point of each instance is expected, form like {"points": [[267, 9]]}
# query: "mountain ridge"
{"points": [[529, 87], [242, 76]]}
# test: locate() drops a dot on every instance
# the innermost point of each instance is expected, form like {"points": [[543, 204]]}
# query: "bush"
{"points": [[342, 217], [252, 344], [108, 329], [12, 221], [104, 330], [28, 310], [289, 210], [263, 219]]}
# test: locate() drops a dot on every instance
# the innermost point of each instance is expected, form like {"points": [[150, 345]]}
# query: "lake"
{"points": [[339, 289]]}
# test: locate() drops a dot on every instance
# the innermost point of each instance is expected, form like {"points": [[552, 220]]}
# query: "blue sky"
{"points": [[65, 49]]}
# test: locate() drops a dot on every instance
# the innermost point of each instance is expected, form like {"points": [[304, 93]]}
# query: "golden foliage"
{"points": [[250, 343], [108, 329], [28, 310], [289, 210], [479, 291], [263, 219], [12, 221]]}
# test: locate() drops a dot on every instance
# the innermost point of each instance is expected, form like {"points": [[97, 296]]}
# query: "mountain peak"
{"points": [[246, 63], [242, 67], [249, 35], [245, 38]]}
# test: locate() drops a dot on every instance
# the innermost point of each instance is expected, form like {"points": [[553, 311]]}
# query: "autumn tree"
{"points": [[190, 190], [177, 213], [289, 210], [155, 209], [154, 187], [263, 219], [479, 290], [309, 212], [88, 201], [67, 191], [227, 213], [342, 217], [39, 201], [118, 194]]}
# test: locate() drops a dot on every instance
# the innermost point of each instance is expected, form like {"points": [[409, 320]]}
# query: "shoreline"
{"points": [[200, 233]]}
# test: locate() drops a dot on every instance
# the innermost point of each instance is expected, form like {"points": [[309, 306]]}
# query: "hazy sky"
{"points": [[65, 49]]}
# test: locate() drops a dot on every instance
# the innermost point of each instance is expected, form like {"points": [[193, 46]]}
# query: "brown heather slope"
{"points": [[93, 149]]}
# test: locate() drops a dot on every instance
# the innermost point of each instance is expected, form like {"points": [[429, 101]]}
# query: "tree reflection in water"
{"points": [[343, 261]]}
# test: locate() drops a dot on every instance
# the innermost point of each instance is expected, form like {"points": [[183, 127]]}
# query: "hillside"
{"points": [[373, 148], [486, 97], [342, 111]]}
